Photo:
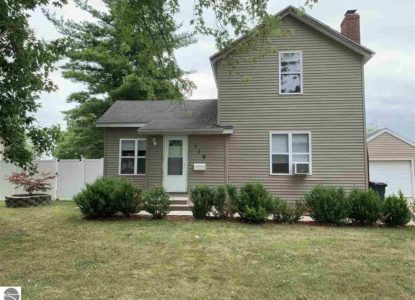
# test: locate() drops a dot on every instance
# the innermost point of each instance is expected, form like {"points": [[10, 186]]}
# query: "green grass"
{"points": [[54, 254]]}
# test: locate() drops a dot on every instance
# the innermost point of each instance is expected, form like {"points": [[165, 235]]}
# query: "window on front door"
{"points": [[290, 72], [133, 154], [175, 158], [288, 148]]}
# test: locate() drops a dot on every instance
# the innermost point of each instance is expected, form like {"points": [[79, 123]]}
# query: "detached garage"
{"points": [[391, 160]]}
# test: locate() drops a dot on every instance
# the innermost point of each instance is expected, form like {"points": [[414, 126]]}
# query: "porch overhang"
{"points": [[179, 131], [183, 126], [122, 125]]}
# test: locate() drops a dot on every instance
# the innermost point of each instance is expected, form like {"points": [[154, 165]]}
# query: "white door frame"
{"points": [[181, 180], [412, 163]]}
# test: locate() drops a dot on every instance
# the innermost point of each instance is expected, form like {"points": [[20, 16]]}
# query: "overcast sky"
{"points": [[387, 27]]}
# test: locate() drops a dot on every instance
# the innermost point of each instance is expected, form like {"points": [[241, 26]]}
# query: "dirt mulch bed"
{"points": [[142, 218], [186, 218]]}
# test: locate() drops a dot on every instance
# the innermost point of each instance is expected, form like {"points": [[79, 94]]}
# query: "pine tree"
{"points": [[122, 53]]}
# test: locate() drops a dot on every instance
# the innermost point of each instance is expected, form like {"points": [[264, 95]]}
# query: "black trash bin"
{"points": [[379, 187]]}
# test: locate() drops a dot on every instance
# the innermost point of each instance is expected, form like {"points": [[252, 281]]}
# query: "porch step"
{"points": [[179, 203], [178, 207]]}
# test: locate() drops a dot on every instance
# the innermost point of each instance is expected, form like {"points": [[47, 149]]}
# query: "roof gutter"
{"points": [[124, 125], [185, 131]]}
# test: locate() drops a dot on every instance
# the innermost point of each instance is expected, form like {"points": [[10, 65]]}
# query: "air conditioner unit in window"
{"points": [[301, 168]]}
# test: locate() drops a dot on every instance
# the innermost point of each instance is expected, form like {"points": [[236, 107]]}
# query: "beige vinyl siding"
{"points": [[331, 107], [154, 161], [213, 147], [111, 155], [387, 146]]}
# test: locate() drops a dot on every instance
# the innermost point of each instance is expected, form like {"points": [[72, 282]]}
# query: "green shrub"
{"points": [[254, 203], [285, 213], [218, 202], [395, 210], [202, 198], [255, 215], [106, 196], [365, 206], [95, 200], [223, 205], [127, 196], [230, 207], [157, 202], [327, 204]]}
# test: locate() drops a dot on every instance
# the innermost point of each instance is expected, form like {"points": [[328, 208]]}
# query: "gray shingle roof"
{"points": [[163, 114]]}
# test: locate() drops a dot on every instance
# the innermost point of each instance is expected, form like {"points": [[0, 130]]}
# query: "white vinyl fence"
{"points": [[71, 176]]}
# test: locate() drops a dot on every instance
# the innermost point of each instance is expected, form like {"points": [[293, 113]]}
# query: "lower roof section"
{"points": [[217, 130], [165, 117]]}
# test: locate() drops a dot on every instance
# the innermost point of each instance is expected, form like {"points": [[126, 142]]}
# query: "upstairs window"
{"points": [[288, 148], [133, 156], [291, 72]]}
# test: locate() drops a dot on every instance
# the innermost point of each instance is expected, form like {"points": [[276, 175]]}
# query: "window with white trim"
{"points": [[287, 148], [291, 72], [133, 154]]}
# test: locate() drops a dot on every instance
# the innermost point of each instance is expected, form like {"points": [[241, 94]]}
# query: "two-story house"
{"points": [[297, 122]]}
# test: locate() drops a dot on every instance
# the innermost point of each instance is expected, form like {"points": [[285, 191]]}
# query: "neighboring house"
{"points": [[298, 121], [392, 160]]}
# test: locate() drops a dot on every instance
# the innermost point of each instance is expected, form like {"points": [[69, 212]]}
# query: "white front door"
{"points": [[175, 163]]}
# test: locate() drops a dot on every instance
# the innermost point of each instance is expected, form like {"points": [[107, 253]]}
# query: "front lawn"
{"points": [[54, 254]]}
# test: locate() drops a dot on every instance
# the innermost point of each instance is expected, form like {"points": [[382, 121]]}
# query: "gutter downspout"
{"points": [[226, 159], [366, 151]]}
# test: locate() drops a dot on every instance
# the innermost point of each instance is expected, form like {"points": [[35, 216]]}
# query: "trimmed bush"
{"points": [[106, 196], [254, 203], [157, 202], [223, 206], [218, 202], [126, 196], [365, 206], [285, 213], [95, 200], [202, 198], [396, 211], [327, 204], [230, 208]]}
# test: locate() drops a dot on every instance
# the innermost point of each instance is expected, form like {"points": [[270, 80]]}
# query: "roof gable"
{"points": [[313, 23], [374, 135]]}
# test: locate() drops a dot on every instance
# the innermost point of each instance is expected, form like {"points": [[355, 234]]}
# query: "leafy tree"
{"points": [[232, 18], [83, 139], [31, 183], [25, 63]]}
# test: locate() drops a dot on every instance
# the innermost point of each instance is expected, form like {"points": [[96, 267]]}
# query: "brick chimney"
{"points": [[350, 25]]}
